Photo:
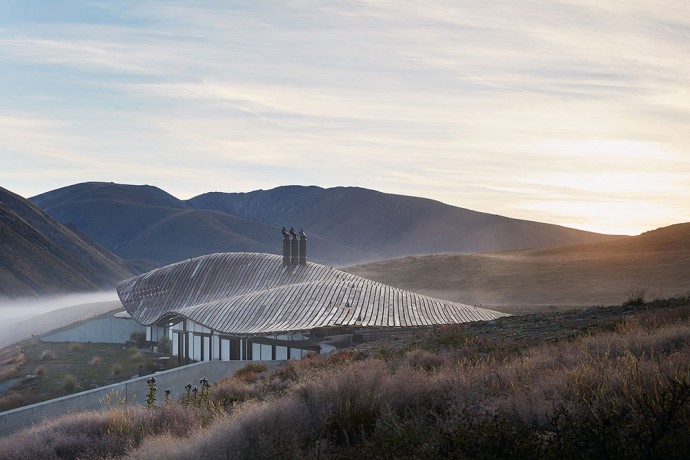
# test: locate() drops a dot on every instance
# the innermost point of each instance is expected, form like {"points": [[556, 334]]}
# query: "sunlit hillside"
{"points": [[655, 265]]}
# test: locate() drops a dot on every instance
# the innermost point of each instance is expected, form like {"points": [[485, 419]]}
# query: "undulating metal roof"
{"points": [[253, 293]]}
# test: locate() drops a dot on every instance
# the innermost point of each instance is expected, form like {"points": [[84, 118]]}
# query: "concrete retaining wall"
{"points": [[133, 391], [107, 329]]}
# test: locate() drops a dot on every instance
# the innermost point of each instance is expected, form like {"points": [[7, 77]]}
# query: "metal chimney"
{"points": [[302, 247], [294, 257], [286, 247]]}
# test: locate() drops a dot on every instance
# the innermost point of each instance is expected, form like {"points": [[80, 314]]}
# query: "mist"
{"points": [[22, 318]]}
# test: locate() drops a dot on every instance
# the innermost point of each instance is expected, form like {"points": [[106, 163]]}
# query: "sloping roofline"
{"points": [[254, 293]]}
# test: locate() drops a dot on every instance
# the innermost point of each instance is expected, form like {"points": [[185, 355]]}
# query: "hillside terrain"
{"points": [[346, 225], [39, 255], [654, 264], [598, 383]]}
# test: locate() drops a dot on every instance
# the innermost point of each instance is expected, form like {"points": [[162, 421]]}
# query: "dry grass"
{"points": [[617, 390], [11, 360], [89, 363], [48, 355], [608, 273]]}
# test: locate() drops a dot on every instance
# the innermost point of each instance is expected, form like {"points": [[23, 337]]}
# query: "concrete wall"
{"points": [[133, 391], [106, 329]]}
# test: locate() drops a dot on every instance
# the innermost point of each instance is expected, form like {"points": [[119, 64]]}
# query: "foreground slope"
{"points": [[655, 264], [603, 383], [39, 255]]}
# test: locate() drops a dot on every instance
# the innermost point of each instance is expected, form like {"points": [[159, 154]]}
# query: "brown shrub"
{"points": [[69, 383], [232, 390], [108, 433], [48, 355]]}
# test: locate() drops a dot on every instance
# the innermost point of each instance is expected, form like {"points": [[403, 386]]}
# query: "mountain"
{"points": [[385, 225], [653, 265], [346, 225], [39, 255]]}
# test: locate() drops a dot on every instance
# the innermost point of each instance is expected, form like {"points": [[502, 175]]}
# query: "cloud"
{"points": [[493, 106]]}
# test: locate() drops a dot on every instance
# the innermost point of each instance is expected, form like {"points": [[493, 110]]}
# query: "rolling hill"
{"points": [[39, 255], [654, 264], [346, 225]]}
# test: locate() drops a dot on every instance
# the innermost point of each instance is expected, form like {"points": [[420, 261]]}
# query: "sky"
{"points": [[568, 112]]}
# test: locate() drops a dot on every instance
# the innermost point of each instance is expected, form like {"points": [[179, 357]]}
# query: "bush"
{"points": [[75, 346], [623, 393], [48, 355], [41, 371], [96, 360], [69, 383], [116, 369]]}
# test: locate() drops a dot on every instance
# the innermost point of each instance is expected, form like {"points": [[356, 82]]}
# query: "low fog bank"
{"points": [[22, 318]]}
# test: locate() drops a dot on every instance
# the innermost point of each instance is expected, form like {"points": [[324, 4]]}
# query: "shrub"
{"points": [[116, 369], [636, 297], [96, 360], [249, 372], [109, 433], [69, 383], [135, 355], [232, 390], [75, 346], [138, 337], [41, 371], [48, 355]]}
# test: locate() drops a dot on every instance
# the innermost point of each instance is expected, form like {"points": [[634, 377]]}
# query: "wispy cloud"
{"points": [[529, 109]]}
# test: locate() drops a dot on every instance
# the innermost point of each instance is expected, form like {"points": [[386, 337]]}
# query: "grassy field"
{"points": [[608, 382], [524, 281], [42, 371]]}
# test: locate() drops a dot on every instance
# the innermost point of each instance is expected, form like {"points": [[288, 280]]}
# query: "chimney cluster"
{"points": [[294, 247]]}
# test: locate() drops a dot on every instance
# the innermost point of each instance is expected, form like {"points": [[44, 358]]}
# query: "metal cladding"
{"points": [[302, 247], [253, 293], [294, 247]]}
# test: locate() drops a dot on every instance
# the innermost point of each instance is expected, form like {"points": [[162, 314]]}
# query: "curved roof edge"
{"points": [[253, 293]]}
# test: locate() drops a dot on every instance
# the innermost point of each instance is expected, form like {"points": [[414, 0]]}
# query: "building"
{"points": [[255, 306]]}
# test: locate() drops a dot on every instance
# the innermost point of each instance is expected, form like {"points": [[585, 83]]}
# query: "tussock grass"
{"points": [[69, 383], [48, 355], [621, 390]]}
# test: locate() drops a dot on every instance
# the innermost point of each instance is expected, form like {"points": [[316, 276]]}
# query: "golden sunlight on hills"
{"points": [[656, 263]]}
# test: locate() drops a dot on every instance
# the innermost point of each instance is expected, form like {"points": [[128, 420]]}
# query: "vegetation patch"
{"points": [[600, 383], [64, 369]]}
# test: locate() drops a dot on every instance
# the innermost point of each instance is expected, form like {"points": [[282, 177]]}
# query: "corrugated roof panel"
{"points": [[253, 293]]}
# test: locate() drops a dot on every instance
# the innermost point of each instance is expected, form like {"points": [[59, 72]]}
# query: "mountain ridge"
{"points": [[40, 256], [346, 225]]}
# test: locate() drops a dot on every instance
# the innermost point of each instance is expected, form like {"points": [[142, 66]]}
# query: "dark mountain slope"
{"points": [[111, 214], [38, 255], [145, 223], [655, 264], [346, 225], [386, 225]]}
